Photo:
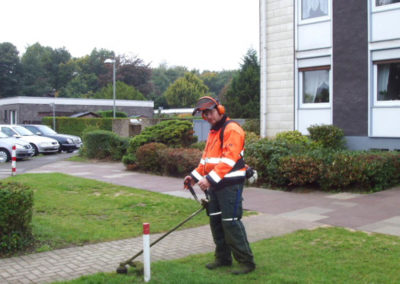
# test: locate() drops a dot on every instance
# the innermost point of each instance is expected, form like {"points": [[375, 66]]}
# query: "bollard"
{"points": [[13, 161], [146, 251]]}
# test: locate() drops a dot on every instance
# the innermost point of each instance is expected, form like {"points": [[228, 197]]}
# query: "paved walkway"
{"points": [[280, 213]]}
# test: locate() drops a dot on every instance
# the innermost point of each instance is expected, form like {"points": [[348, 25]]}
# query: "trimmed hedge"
{"points": [[16, 201], [76, 126], [327, 136], [102, 144]]}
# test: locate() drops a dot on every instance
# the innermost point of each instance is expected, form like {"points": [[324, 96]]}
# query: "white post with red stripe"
{"points": [[146, 251], [14, 161]]}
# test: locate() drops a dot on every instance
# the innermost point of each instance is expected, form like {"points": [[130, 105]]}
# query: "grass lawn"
{"points": [[74, 211], [325, 255]]}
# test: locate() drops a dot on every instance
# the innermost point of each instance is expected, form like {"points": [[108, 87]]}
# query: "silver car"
{"points": [[38, 143], [24, 150]]}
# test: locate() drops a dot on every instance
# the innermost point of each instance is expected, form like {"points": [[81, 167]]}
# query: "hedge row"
{"points": [[281, 163], [16, 201], [76, 126]]}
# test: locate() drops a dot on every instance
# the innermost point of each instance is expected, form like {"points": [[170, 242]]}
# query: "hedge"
{"points": [[16, 201], [76, 126]]}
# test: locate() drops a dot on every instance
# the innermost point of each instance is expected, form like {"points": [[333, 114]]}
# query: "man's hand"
{"points": [[188, 180], [204, 184]]}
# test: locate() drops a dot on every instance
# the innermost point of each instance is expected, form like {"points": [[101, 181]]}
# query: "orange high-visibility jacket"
{"points": [[222, 165]]}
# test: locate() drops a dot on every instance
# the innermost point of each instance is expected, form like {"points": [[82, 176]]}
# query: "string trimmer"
{"points": [[122, 268]]}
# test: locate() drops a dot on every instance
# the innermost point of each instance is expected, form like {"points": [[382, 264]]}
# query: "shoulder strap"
{"points": [[221, 134]]}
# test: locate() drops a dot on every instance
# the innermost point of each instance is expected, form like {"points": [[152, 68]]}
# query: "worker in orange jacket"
{"points": [[222, 173]]}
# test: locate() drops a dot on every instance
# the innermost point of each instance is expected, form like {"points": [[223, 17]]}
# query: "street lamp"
{"points": [[113, 62]]}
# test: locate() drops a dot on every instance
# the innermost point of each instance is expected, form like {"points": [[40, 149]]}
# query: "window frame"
{"points": [[392, 103], [315, 19], [303, 105]]}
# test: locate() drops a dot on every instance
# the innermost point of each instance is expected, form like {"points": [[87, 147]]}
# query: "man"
{"points": [[222, 172]]}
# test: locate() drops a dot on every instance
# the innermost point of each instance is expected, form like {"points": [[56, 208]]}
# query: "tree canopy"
{"points": [[185, 91], [242, 98]]}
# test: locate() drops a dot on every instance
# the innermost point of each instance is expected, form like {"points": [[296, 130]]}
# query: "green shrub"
{"points": [[198, 145], [292, 137], [110, 113], [251, 137], [299, 170], [328, 136], [252, 125], [102, 144], [148, 157], [179, 161], [76, 126], [174, 133], [16, 201]]}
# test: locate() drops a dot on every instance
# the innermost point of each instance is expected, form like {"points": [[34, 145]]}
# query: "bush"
{"points": [[299, 170], [328, 136], [292, 137], [174, 133], [252, 125], [76, 126], [251, 137], [110, 113], [198, 145], [179, 161], [16, 201], [102, 144], [148, 157]]}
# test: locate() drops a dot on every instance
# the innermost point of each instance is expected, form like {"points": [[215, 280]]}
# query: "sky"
{"points": [[199, 34]]}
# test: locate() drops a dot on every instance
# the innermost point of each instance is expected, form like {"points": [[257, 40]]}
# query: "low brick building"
{"points": [[17, 110]]}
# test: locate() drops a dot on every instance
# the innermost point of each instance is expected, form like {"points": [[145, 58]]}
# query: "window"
{"points": [[13, 117], [314, 8], [385, 2], [388, 81], [315, 85], [7, 131], [5, 116]]}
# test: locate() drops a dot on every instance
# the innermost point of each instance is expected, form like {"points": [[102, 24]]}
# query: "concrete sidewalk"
{"points": [[280, 213]]}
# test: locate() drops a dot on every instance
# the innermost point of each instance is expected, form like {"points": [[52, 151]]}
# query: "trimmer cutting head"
{"points": [[123, 269]]}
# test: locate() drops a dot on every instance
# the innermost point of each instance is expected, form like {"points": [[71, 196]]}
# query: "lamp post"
{"points": [[113, 62]]}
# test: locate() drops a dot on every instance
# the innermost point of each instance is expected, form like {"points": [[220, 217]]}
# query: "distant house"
{"points": [[15, 110], [332, 62]]}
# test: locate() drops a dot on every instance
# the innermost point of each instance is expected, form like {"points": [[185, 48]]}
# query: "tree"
{"points": [[122, 91], [185, 91], [242, 99], [43, 69], [216, 81], [10, 70]]}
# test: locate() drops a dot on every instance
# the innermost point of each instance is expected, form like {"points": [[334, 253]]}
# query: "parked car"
{"points": [[24, 150], [39, 144], [67, 142]]}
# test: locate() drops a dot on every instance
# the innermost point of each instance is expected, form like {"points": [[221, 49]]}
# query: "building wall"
{"points": [[28, 113], [350, 67], [280, 66]]}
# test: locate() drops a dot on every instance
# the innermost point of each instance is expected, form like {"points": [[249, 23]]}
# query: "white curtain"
{"points": [[383, 79], [313, 80], [314, 8]]}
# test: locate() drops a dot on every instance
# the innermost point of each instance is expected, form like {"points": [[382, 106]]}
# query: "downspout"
{"points": [[263, 68]]}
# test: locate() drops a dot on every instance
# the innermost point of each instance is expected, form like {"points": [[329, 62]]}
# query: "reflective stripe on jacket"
{"points": [[223, 165]]}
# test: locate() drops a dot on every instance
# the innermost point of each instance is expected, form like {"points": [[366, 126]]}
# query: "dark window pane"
{"points": [[389, 82]]}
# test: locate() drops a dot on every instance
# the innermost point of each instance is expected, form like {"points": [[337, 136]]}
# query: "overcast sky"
{"points": [[201, 34]]}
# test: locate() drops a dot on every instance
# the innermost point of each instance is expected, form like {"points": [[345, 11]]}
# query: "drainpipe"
{"points": [[263, 66]]}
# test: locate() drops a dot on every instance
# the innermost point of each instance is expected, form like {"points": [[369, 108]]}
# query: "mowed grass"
{"points": [[71, 211], [324, 255]]}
